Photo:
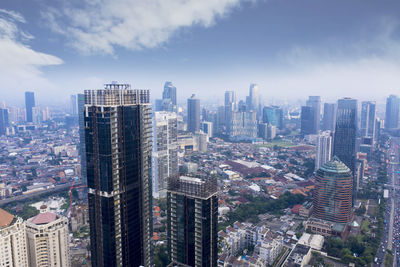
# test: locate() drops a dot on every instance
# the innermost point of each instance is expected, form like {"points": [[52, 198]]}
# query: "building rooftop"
{"points": [[5, 218], [335, 166], [44, 218]]}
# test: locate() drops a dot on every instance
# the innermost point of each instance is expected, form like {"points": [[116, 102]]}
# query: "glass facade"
{"points": [[192, 222], [118, 157]]}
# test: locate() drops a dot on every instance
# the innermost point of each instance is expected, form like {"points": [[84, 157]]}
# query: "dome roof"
{"points": [[335, 166]]}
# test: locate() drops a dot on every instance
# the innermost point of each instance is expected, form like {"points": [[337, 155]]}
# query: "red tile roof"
{"points": [[44, 218], [5, 218]]}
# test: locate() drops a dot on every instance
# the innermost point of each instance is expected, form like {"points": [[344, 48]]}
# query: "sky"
{"points": [[290, 48]]}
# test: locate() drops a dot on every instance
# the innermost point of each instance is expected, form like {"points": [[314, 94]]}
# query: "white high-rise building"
{"points": [[48, 240], [165, 150], [323, 149], [12, 241]]}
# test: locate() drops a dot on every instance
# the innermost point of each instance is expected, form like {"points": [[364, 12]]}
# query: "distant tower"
{"points": [[82, 144], [13, 248], [368, 118], [323, 149], [29, 104], [344, 141], [3, 120], [392, 112], [230, 107], [315, 103], [273, 115], [307, 120], [193, 114], [169, 92], [118, 157], [333, 192], [192, 221], [345, 133], [253, 99], [73, 105], [329, 119], [165, 150], [48, 242]]}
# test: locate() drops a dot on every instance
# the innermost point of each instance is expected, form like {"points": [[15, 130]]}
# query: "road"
{"points": [[55, 189], [393, 185]]}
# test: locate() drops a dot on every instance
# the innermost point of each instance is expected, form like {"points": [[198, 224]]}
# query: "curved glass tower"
{"points": [[333, 192]]}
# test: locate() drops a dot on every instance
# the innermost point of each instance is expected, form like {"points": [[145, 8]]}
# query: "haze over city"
{"points": [[289, 48], [199, 133]]}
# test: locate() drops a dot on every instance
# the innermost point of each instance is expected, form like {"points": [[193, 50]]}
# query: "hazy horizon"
{"points": [[291, 49]]}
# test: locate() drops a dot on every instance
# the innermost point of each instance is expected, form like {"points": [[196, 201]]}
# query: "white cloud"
{"points": [[19, 63], [99, 26]]}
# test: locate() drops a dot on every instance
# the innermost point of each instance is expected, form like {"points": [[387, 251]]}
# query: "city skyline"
{"points": [[215, 46]]}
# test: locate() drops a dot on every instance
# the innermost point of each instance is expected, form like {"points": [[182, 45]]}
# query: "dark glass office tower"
{"points": [[118, 155], [192, 221], [3, 120], [307, 120], [392, 112], [193, 114], [315, 103], [29, 104], [329, 119], [344, 142], [82, 145]]}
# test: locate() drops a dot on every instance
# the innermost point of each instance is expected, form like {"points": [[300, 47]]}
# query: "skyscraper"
{"points": [[29, 104], [230, 107], [315, 103], [333, 192], [307, 120], [73, 105], [118, 156], [192, 221], [3, 120], [345, 132], [193, 112], [48, 244], [368, 118], [273, 115], [169, 92], [13, 250], [243, 125], [165, 150], [323, 149], [329, 119], [392, 112], [253, 99], [82, 144]]}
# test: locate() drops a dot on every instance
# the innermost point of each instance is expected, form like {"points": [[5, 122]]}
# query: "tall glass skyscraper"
{"points": [[169, 92], [82, 144], [344, 141], [315, 103], [118, 154], [329, 119], [392, 112], [192, 221], [333, 192], [193, 114], [345, 132], [29, 104], [368, 118], [165, 150]]}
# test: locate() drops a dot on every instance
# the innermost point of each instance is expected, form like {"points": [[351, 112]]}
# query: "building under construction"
{"points": [[117, 121], [192, 221]]}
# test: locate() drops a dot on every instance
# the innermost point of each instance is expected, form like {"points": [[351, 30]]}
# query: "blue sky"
{"points": [[291, 48]]}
